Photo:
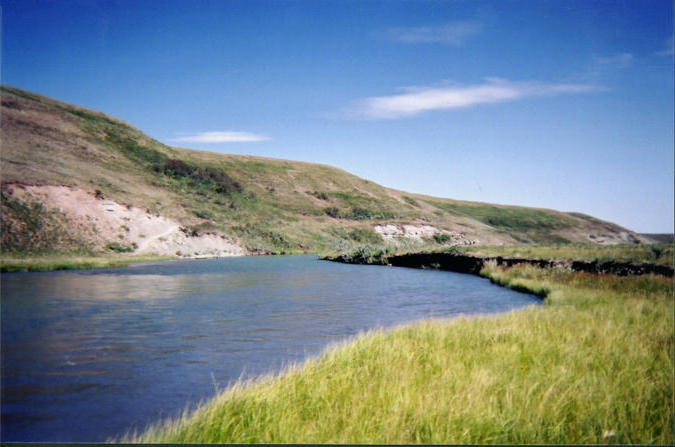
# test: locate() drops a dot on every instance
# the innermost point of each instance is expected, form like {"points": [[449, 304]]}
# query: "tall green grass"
{"points": [[593, 365]]}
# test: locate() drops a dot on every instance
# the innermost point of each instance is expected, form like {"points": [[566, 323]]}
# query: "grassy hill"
{"points": [[266, 205]]}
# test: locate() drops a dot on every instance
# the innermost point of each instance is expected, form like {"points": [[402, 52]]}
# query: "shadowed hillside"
{"points": [[113, 179]]}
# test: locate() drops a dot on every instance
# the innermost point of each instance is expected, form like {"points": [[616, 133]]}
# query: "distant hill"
{"points": [[76, 179], [658, 237]]}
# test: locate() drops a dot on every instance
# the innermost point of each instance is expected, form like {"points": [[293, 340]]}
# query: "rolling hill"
{"points": [[74, 179]]}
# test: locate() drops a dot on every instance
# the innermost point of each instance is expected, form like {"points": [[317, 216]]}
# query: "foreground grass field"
{"points": [[592, 365], [41, 263]]}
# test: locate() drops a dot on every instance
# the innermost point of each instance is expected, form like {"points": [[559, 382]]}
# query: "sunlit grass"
{"points": [[48, 262], [593, 365]]}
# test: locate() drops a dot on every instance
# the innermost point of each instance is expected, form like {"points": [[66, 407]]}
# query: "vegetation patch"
{"points": [[523, 224], [117, 248], [367, 214], [365, 236], [263, 239], [411, 201], [332, 211], [367, 254], [442, 238], [319, 195], [132, 149], [29, 227], [661, 253], [358, 214], [201, 176], [68, 261], [520, 219]]}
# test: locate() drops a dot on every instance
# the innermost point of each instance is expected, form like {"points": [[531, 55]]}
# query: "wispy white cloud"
{"points": [[417, 100], [454, 33], [669, 47], [621, 60], [221, 137]]}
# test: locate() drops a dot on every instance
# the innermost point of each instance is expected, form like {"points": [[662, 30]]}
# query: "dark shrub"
{"points": [[332, 212], [442, 238], [216, 178], [116, 247]]}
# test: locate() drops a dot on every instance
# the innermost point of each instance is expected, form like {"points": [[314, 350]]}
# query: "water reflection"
{"points": [[114, 349]]}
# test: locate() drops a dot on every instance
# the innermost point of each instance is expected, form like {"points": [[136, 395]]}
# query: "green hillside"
{"points": [[266, 205]]}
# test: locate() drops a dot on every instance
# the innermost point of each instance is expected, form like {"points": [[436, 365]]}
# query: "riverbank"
{"points": [[618, 260], [49, 262], [594, 365], [629, 259]]}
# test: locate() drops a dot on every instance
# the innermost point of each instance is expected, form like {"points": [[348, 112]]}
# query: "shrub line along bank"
{"points": [[474, 264]]}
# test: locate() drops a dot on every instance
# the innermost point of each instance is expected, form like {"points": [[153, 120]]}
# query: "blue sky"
{"points": [[555, 104]]}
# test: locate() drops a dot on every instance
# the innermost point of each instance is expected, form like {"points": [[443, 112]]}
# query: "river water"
{"points": [[88, 355]]}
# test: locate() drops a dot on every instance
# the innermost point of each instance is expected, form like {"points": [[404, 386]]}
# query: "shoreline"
{"points": [[447, 261], [462, 263], [57, 262]]}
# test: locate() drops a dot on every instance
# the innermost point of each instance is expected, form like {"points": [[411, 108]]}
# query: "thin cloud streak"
{"points": [[222, 137], [423, 99], [455, 33]]}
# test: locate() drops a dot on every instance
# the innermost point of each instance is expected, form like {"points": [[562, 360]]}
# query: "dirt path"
{"points": [[147, 242]]}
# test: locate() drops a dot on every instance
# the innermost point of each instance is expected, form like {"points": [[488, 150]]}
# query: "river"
{"points": [[88, 355]]}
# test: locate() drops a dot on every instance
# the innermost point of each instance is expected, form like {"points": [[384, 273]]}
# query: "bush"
{"points": [[332, 212], [319, 195], [116, 247], [366, 236], [411, 201], [361, 214], [208, 176], [368, 255], [442, 238]]}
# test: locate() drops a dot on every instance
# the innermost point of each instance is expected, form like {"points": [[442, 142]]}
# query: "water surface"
{"points": [[88, 355]]}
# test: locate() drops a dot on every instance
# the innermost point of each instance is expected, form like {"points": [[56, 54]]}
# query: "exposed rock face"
{"points": [[620, 237], [391, 233], [100, 223]]}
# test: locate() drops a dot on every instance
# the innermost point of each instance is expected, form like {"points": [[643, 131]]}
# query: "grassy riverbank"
{"points": [[47, 262], [593, 365], [658, 253]]}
